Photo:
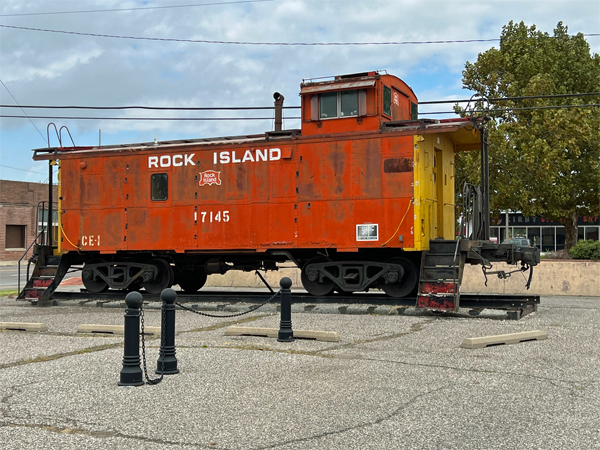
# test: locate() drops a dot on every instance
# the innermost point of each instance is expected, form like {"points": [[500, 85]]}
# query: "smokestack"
{"points": [[278, 110]]}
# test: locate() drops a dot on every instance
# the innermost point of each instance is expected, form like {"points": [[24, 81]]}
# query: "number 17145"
{"points": [[214, 216]]}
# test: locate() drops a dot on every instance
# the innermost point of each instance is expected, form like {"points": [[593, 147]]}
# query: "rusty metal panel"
{"points": [[282, 232], [112, 182], [366, 168], [137, 232], [311, 176]]}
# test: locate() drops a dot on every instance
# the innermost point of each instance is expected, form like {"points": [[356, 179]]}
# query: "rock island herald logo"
{"points": [[210, 177]]}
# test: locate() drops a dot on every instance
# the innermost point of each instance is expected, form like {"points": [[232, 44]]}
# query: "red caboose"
{"points": [[353, 198]]}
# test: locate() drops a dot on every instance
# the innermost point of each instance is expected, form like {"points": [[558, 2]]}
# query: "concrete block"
{"points": [[112, 329], [513, 338], [327, 336], [21, 326]]}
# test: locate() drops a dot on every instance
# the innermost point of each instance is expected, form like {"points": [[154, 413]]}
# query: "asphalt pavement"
{"points": [[9, 274], [392, 382]]}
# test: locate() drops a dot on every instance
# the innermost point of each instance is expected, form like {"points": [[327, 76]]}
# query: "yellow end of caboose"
{"points": [[434, 184]]}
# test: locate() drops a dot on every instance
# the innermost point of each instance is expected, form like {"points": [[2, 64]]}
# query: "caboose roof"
{"points": [[464, 135]]}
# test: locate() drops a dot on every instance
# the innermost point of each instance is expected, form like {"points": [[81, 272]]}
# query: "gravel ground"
{"points": [[393, 381]]}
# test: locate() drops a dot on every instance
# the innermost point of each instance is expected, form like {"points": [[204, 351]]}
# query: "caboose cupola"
{"points": [[355, 102]]}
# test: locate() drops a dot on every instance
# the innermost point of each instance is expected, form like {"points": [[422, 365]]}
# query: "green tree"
{"points": [[543, 162]]}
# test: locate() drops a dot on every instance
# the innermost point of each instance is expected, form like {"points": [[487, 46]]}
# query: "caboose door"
{"points": [[438, 192]]}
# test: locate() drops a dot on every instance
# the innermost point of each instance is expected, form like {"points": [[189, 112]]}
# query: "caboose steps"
{"points": [[441, 274], [47, 274]]}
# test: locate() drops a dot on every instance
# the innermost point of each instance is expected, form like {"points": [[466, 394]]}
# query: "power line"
{"points": [[22, 170], [501, 99], [13, 97], [503, 110], [487, 111], [251, 108], [203, 41], [134, 9], [160, 108], [142, 118]]}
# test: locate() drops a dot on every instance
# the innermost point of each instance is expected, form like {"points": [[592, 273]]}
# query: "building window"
{"points": [[338, 104], [592, 233], [15, 237], [43, 218], [159, 186]]}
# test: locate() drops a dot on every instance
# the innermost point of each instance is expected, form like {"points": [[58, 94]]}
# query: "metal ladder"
{"points": [[441, 275]]}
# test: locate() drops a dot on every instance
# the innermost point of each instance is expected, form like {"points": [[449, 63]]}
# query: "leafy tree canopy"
{"points": [[543, 162]]}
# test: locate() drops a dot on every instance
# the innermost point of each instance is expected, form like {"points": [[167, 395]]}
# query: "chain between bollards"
{"points": [[286, 334], [131, 373]]}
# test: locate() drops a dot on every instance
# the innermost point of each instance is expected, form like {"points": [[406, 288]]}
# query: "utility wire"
{"points": [[135, 9], [13, 97], [203, 41], [251, 108], [160, 108], [22, 170], [488, 111], [503, 110], [501, 99], [140, 118]]}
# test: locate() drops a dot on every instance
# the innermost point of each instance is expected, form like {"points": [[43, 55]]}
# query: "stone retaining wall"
{"points": [[550, 277]]}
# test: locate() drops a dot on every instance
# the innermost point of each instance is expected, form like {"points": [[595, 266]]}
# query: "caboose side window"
{"points": [[348, 103], [414, 111], [387, 100], [338, 104], [329, 107], [159, 183]]}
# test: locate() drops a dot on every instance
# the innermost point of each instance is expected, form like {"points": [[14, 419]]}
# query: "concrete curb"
{"points": [[327, 336], [112, 329], [21, 326], [513, 338]]}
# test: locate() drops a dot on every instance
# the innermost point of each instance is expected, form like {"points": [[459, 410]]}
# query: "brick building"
{"points": [[20, 219]]}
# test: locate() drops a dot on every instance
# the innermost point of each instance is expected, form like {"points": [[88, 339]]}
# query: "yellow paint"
{"points": [[434, 188], [59, 240]]}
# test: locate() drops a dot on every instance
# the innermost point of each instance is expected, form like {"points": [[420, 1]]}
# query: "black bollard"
{"points": [[167, 362], [286, 334], [131, 373]]}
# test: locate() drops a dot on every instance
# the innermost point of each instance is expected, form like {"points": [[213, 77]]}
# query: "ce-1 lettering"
{"points": [[90, 241], [214, 216]]}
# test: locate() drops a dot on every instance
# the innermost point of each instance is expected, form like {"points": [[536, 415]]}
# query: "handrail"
{"points": [[23, 256]]}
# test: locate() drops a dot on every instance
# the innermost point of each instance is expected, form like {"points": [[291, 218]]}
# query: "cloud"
{"points": [[56, 69]]}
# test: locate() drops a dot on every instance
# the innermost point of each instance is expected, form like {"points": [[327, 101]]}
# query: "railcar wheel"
{"points": [[163, 280], [91, 283], [314, 287], [192, 282], [407, 284]]}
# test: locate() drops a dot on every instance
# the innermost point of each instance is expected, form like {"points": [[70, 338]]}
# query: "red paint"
{"points": [[438, 288], [42, 282], [430, 302]]}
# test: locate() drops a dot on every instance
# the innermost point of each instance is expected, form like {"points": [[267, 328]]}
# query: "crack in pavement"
{"points": [[483, 371], [103, 434], [39, 359], [377, 421]]}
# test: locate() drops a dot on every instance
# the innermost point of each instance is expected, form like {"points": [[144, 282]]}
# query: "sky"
{"points": [[53, 69]]}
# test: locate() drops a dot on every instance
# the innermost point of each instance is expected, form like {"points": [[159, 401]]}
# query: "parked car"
{"points": [[520, 242]]}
